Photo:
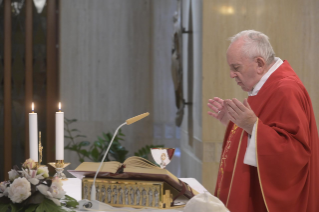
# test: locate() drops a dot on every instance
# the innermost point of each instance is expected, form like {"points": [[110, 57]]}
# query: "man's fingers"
{"points": [[231, 112], [212, 107], [231, 118], [212, 114], [219, 100], [246, 103], [231, 104], [216, 103], [240, 105]]}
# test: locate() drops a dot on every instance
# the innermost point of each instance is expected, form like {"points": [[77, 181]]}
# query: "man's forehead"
{"points": [[234, 54], [234, 58]]}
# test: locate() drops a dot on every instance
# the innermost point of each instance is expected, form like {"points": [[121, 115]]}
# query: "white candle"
{"points": [[33, 134], [59, 134]]}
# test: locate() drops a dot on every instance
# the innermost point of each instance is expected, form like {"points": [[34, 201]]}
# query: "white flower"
{"points": [[30, 164], [55, 192], [19, 190], [44, 170], [13, 174], [3, 188], [32, 176], [45, 191]]}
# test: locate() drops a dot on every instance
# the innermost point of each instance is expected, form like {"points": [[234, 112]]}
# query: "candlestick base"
{"points": [[59, 166]]}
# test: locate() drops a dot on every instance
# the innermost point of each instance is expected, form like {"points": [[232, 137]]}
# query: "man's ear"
{"points": [[261, 64]]}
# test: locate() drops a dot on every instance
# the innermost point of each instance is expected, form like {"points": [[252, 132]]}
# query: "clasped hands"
{"points": [[233, 110]]}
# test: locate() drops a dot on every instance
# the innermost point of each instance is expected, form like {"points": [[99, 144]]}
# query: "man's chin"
{"points": [[245, 89]]}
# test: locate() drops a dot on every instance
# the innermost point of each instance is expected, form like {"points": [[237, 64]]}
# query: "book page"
{"points": [[140, 165], [135, 161], [111, 166]]}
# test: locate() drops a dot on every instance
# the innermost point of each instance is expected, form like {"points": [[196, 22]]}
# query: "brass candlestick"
{"points": [[59, 166]]}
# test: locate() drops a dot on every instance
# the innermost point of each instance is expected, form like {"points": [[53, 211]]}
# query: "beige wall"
{"points": [[293, 30]]}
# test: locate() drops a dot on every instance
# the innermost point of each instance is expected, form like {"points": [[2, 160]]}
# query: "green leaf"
{"points": [[109, 136], [4, 207], [75, 130], [5, 200], [84, 152], [98, 143], [73, 147], [15, 207], [105, 136], [100, 139], [70, 202], [31, 208], [48, 205], [84, 143], [95, 154], [36, 198]]}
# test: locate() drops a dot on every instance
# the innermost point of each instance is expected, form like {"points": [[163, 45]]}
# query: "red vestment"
{"points": [[287, 152]]}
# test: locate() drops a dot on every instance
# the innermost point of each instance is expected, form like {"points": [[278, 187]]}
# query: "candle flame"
{"points": [[59, 106], [32, 107]]}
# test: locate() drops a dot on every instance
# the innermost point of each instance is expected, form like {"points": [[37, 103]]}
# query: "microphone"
{"points": [[93, 190], [136, 118]]}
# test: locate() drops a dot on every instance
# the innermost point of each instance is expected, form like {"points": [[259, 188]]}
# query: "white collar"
{"points": [[264, 78]]}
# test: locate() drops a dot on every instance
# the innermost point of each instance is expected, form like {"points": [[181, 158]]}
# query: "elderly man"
{"points": [[270, 159]]}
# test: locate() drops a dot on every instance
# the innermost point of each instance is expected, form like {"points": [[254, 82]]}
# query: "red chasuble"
{"points": [[287, 149]]}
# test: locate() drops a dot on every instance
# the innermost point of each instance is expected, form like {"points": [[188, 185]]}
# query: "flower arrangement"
{"points": [[29, 189]]}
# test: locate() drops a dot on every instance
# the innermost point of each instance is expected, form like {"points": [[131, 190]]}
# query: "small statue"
{"points": [[132, 196], [115, 195], [109, 192], [120, 195], [86, 192], [138, 196], [144, 197], [156, 194], [126, 195], [150, 197], [97, 194], [103, 192]]}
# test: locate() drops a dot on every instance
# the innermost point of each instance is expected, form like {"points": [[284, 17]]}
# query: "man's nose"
{"points": [[232, 74]]}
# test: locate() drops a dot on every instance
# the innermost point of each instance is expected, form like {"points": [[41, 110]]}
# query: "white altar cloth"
{"points": [[73, 188]]}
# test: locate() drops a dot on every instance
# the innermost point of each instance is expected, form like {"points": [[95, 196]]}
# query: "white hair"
{"points": [[256, 44]]}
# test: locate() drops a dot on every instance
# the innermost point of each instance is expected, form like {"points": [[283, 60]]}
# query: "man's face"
{"points": [[242, 68]]}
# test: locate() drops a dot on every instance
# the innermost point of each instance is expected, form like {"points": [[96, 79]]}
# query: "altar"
{"points": [[73, 188]]}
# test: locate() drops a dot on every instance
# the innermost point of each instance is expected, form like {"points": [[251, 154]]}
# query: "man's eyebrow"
{"points": [[235, 64]]}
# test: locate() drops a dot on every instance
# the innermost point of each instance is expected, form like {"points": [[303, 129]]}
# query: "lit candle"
{"points": [[33, 134], [59, 134]]}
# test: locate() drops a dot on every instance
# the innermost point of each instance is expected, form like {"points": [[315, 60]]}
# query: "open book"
{"points": [[134, 167]]}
